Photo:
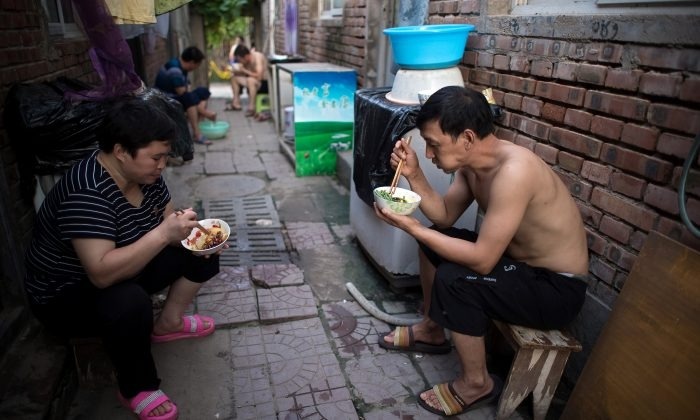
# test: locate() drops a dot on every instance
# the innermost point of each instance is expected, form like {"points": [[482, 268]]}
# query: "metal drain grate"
{"points": [[236, 259], [257, 239], [243, 212]]}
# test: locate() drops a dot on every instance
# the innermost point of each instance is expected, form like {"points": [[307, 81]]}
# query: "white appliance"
{"points": [[391, 250]]}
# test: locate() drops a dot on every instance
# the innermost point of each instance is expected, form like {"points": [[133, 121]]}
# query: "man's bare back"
{"points": [[550, 234]]}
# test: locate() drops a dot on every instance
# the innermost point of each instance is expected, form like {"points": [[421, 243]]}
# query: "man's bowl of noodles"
{"points": [[403, 201], [202, 244]]}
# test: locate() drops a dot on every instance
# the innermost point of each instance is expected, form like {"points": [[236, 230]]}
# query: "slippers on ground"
{"points": [[193, 328], [202, 140], [451, 404], [263, 117], [230, 107], [145, 402], [249, 113], [404, 341]]}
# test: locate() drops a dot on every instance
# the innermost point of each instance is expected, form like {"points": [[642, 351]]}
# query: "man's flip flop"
{"points": [[451, 404], [202, 140], [230, 107], [404, 341], [193, 327], [145, 402], [249, 113]]}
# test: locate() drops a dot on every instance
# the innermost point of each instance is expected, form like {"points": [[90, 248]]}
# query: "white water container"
{"points": [[288, 122]]}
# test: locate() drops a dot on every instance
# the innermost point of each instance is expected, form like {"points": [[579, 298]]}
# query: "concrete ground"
{"points": [[290, 341]]}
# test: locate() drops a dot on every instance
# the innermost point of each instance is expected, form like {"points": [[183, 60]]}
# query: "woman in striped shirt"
{"points": [[107, 237]]}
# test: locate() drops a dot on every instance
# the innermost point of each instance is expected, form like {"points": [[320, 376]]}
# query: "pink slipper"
{"points": [[193, 328], [147, 401]]}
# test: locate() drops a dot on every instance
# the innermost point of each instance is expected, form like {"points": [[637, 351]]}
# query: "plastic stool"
{"points": [[262, 102]]}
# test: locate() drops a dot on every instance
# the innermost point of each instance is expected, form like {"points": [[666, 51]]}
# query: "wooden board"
{"points": [[646, 362]]}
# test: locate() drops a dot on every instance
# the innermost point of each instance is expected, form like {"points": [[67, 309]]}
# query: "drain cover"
{"points": [[257, 239], [233, 258], [243, 212]]}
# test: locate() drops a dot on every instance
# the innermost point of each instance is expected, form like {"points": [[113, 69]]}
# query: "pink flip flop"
{"points": [[147, 401], [193, 328]]}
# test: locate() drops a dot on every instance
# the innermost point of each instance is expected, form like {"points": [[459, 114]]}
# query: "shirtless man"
{"points": [[526, 266], [252, 74]]}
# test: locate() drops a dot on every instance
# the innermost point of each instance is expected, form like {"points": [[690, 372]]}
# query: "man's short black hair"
{"points": [[456, 109], [192, 54], [241, 51]]}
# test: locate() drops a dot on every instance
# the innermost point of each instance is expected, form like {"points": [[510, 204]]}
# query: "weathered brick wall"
{"points": [[615, 119], [339, 40], [28, 55]]}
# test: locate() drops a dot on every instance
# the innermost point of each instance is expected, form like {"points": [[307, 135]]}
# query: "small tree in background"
{"points": [[222, 21]]}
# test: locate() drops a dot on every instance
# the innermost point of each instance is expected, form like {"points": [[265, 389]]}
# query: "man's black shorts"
{"points": [[514, 292]]}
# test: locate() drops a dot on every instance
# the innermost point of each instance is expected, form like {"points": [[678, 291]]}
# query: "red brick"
{"points": [[530, 126], [692, 208], [590, 215], [649, 167], [531, 106], [611, 53], [577, 50], [666, 58], [501, 62], [505, 134], [590, 73], [606, 127], [596, 172], [615, 229], [596, 243], [623, 208], [603, 291], [578, 188], [547, 153], [484, 59], [675, 117], [673, 145], [621, 257], [565, 70], [623, 79], [660, 84], [512, 101], [692, 182], [541, 68], [517, 84], [639, 136], [578, 119], [525, 142], [637, 240], [553, 112], [678, 231], [520, 63], [571, 163], [470, 58], [560, 93], [661, 198], [483, 77], [628, 185], [602, 270], [468, 6], [690, 90], [617, 105], [576, 142]]}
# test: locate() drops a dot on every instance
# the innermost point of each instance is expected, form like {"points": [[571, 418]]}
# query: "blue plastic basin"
{"points": [[214, 129], [428, 46]]}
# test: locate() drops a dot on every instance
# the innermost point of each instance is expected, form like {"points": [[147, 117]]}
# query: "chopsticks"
{"points": [[397, 175], [200, 227]]}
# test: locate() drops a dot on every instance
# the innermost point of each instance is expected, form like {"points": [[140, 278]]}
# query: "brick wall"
{"points": [[338, 40], [28, 55]]}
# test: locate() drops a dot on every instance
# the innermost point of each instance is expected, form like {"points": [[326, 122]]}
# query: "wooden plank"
{"points": [[542, 339], [646, 362]]}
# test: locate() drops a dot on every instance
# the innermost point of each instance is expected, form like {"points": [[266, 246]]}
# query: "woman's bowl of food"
{"points": [[403, 201], [201, 243]]}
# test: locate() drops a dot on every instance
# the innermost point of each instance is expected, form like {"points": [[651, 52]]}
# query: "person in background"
{"points": [[172, 79], [233, 64], [252, 74], [527, 265], [107, 237]]}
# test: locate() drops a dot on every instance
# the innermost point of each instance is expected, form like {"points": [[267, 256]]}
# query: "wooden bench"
{"points": [[537, 367]]}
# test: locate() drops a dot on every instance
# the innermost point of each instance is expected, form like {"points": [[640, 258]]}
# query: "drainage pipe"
{"points": [[376, 312]]}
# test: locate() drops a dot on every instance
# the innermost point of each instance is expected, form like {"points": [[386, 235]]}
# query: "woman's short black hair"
{"points": [[456, 109], [134, 123]]}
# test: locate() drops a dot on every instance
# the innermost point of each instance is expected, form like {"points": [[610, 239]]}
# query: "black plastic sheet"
{"points": [[379, 123], [50, 133]]}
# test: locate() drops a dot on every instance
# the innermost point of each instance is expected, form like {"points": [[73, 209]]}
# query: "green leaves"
{"points": [[223, 19]]}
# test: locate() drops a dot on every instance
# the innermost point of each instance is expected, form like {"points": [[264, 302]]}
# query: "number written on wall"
{"points": [[605, 28]]}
